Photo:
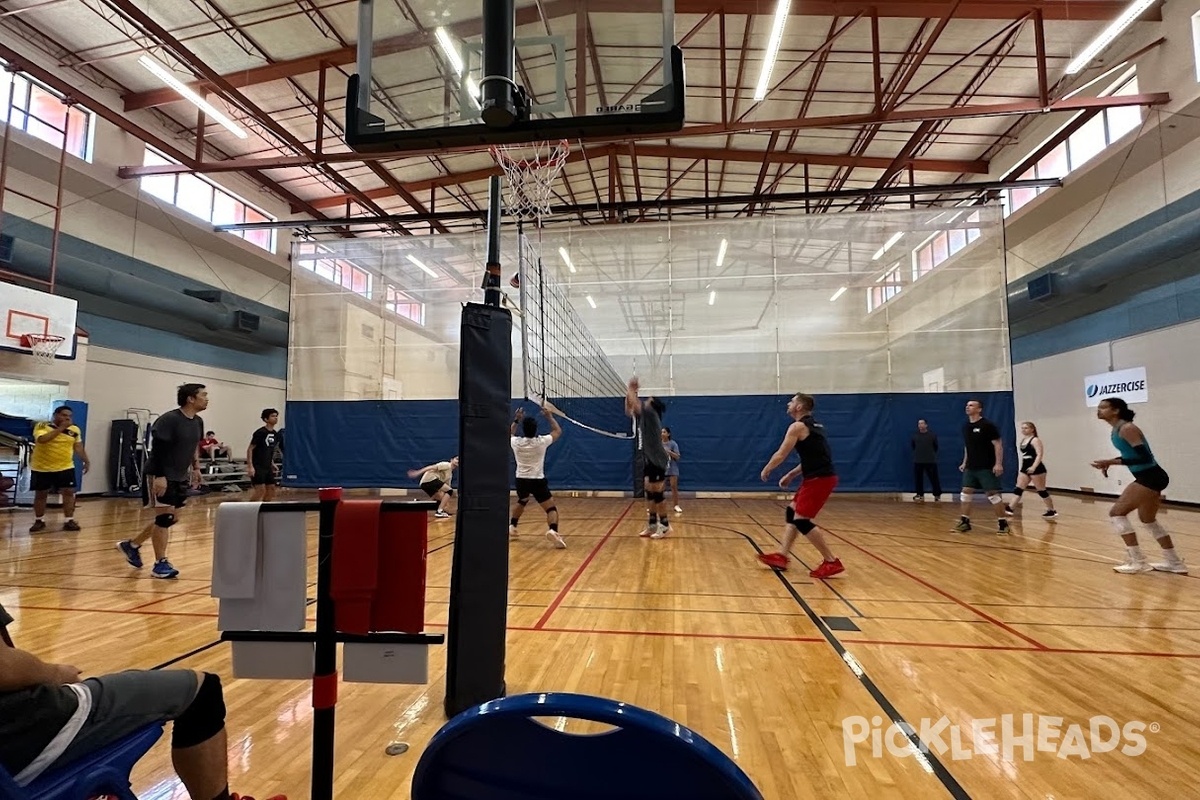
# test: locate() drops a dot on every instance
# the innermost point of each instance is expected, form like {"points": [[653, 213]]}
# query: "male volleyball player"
{"points": [[260, 457], [435, 482], [1144, 494], [982, 466], [649, 413], [172, 469], [819, 478], [52, 467], [530, 452]]}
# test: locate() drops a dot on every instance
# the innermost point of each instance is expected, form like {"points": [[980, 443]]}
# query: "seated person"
{"points": [[213, 447], [49, 718]]}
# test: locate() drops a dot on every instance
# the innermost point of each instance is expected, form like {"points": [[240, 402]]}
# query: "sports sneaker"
{"points": [[963, 526], [650, 531], [556, 539], [1178, 567], [38, 525], [163, 569], [1002, 529], [661, 533], [828, 569], [1133, 567], [441, 515], [918, 498], [774, 560], [1009, 510], [678, 510], [132, 554], [71, 525], [1050, 514], [513, 533]]}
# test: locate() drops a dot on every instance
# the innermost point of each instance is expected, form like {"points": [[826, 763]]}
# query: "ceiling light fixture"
{"points": [[456, 62], [712, 297], [566, 257], [764, 77], [591, 302], [879, 253], [427, 270], [1108, 35], [721, 252], [166, 76], [837, 294]]}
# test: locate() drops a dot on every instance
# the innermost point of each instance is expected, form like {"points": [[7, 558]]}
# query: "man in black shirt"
{"points": [[925, 452], [173, 468], [260, 457], [982, 466]]}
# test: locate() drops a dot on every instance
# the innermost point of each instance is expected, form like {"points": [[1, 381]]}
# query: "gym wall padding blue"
{"points": [[724, 441]]}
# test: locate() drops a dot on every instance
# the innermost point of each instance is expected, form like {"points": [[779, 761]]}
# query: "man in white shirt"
{"points": [[435, 482], [530, 451]]}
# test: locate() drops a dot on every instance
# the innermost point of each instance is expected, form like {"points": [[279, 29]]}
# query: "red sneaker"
{"points": [[828, 569], [774, 560]]}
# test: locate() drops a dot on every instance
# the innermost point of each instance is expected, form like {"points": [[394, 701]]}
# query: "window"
{"points": [[402, 305], [1196, 43], [201, 198], [1098, 133], [41, 112], [938, 248]]}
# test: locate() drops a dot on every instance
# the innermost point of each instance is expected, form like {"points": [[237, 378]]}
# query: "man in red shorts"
{"points": [[807, 436]]}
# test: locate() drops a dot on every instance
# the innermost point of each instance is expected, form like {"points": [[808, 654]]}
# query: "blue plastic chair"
{"points": [[105, 772], [499, 752]]}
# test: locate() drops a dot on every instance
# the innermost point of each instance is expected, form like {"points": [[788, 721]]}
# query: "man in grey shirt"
{"points": [[649, 414], [925, 450], [173, 468]]}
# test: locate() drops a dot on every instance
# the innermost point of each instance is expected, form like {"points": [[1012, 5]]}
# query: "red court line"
{"points": [[1006, 628], [571, 581], [171, 597], [669, 634]]}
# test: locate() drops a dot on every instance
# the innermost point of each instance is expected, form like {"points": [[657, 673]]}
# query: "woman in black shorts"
{"points": [[1033, 470]]}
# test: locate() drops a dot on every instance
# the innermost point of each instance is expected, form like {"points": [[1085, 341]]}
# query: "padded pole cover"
{"points": [[479, 572]]}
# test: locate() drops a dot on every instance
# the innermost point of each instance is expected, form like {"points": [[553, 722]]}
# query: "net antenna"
{"points": [[42, 346]]}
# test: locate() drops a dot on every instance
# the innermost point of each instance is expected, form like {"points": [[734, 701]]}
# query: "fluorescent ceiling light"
{"points": [[721, 252], [591, 302], [879, 253], [712, 297], [764, 78], [1118, 26], [427, 270], [837, 294], [165, 75], [566, 257], [456, 62]]}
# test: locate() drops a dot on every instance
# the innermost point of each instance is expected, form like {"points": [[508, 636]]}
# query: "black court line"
{"points": [[922, 751], [188, 654]]}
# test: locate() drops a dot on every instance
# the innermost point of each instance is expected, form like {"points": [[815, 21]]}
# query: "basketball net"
{"points": [[530, 170], [43, 347]]}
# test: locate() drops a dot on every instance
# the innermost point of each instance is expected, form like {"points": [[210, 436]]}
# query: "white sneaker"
{"points": [[513, 533], [661, 533], [1133, 567], [554, 537], [441, 515], [650, 531], [678, 510], [1178, 567]]}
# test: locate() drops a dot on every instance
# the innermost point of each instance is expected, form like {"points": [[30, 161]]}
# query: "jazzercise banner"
{"points": [[1128, 384]]}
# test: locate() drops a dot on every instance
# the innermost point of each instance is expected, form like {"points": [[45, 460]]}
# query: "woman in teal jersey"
{"points": [[1143, 495]]}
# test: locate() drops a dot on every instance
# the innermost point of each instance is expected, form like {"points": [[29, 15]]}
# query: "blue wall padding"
{"points": [[724, 441]]}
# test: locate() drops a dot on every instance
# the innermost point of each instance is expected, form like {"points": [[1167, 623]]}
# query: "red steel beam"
{"points": [[1076, 10]]}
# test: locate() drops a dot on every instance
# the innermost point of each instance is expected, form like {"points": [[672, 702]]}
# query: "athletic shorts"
{"points": [[811, 496], [122, 703], [982, 479], [538, 487], [432, 487], [263, 476], [52, 481], [1154, 478], [175, 496], [654, 473], [1041, 470]]}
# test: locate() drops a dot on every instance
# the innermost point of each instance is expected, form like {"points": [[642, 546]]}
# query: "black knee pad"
{"points": [[523, 503], [790, 515], [1018, 491], [165, 520], [805, 526], [658, 497], [204, 718], [449, 492], [1043, 494]]}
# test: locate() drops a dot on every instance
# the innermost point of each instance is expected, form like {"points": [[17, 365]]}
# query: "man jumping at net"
{"points": [[807, 437], [530, 452], [649, 413]]}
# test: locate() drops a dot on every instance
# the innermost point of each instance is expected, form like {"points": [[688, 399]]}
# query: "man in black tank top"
{"points": [[807, 437]]}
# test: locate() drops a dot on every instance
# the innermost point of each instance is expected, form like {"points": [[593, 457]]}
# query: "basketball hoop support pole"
{"points": [[499, 101], [491, 277], [366, 48]]}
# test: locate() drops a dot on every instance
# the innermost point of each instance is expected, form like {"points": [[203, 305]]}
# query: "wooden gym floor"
{"points": [[925, 623]]}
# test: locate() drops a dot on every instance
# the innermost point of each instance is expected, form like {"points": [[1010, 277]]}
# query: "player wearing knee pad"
{"points": [[1032, 473], [982, 466], [649, 413], [529, 449]]}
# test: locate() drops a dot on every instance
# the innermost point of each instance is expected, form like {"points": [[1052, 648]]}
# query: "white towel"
{"points": [[235, 550], [279, 600]]}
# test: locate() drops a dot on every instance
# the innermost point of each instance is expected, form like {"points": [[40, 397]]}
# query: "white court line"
{"points": [[1072, 549]]}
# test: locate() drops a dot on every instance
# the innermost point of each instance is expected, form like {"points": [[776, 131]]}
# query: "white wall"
{"points": [[118, 380], [1050, 392]]}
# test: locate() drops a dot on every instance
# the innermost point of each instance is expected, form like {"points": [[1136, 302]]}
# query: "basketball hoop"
{"points": [[42, 346], [530, 170]]}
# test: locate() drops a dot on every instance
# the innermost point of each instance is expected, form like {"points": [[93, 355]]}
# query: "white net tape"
{"points": [[530, 170], [44, 348]]}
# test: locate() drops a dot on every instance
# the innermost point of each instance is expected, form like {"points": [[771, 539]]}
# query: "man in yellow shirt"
{"points": [[52, 466]]}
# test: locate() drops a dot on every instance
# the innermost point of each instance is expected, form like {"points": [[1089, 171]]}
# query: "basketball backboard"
{"points": [[591, 69], [30, 312]]}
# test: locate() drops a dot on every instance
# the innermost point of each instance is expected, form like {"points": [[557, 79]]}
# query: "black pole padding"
{"points": [[501, 105], [475, 637]]}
